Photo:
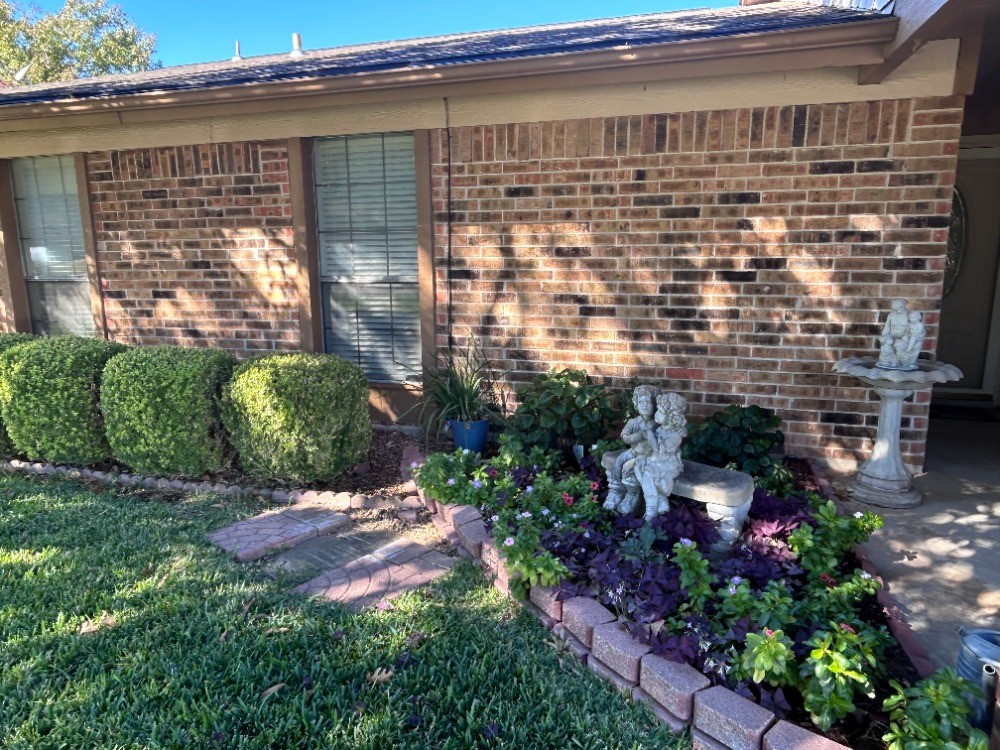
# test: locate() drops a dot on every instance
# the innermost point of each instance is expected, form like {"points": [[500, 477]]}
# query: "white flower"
{"points": [[545, 511], [464, 451], [865, 575], [859, 514], [586, 535]]}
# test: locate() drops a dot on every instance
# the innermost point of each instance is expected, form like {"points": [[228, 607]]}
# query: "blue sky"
{"points": [[189, 31]]}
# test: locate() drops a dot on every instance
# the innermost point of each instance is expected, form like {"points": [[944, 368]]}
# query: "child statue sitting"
{"points": [[657, 472], [639, 435]]}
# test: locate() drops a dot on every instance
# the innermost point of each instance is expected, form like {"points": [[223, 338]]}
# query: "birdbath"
{"points": [[883, 480]]}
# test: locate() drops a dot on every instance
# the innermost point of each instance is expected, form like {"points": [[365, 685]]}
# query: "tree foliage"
{"points": [[84, 38]]}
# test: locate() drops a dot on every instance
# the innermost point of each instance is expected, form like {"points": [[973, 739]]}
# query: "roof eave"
{"points": [[858, 39]]}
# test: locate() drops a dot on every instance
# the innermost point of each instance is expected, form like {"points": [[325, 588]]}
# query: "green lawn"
{"points": [[187, 644]]}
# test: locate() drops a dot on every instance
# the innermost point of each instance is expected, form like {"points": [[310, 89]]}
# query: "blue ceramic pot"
{"points": [[471, 435]]}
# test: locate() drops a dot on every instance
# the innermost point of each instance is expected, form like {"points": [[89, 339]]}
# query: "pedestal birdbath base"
{"points": [[883, 479]]}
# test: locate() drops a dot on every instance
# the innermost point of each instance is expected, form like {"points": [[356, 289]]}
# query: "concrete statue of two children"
{"points": [[652, 459], [902, 338]]}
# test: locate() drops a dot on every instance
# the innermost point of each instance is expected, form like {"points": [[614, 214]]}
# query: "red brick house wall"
{"points": [[195, 245], [731, 255]]}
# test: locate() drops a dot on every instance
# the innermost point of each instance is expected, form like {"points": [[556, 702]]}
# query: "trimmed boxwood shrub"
{"points": [[49, 398], [162, 412], [8, 340], [300, 417]]}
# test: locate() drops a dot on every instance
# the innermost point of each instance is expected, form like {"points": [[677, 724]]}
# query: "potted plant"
{"points": [[465, 396]]}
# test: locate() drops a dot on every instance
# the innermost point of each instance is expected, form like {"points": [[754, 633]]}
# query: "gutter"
{"points": [[847, 37]]}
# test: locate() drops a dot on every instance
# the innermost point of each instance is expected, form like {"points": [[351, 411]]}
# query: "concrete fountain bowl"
{"points": [[883, 480]]}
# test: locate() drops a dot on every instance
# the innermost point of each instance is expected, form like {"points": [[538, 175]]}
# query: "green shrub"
{"points": [[162, 411], [7, 341], [301, 417], [934, 713], [560, 409], [741, 438], [49, 398]]}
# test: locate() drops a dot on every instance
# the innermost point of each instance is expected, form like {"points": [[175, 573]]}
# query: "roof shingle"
{"points": [[454, 49]]}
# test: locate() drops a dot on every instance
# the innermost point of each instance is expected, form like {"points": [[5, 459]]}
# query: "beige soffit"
{"points": [[930, 72]]}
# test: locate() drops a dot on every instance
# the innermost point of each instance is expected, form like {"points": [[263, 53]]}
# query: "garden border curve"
{"points": [[678, 694]]}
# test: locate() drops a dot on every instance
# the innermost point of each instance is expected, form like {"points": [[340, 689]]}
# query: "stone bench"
{"points": [[726, 494]]}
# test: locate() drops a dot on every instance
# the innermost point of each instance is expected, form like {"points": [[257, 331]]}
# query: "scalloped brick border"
{"points": [[678, 694]]}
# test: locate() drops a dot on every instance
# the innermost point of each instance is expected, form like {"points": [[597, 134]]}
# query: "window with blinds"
{"points": [[51, 236], [366, 213]]}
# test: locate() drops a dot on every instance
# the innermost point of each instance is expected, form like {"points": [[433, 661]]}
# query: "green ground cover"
{"points": [[121, 627]]}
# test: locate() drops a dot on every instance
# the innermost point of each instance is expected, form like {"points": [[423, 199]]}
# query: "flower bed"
{"points": [[787, 619]]}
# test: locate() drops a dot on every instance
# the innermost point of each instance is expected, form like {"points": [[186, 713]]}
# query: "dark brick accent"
{"points": [[831, 167], [736, 198]]}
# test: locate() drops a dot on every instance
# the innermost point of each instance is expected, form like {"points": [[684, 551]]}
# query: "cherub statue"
{"points": [[658, 472], [902, 338], [915, 333], [639, 434]]}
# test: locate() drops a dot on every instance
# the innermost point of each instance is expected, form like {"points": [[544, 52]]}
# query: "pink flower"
{"points": [[768, 632], [595, 486], [848, 628]]}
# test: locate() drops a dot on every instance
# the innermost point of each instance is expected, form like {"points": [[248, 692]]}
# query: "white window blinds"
{"points": [[51, 236], [367, 221]]}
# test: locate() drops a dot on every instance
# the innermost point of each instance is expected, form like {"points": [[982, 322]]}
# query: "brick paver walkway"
{"points": [[382, 575], [356, 581], [256, 537]]}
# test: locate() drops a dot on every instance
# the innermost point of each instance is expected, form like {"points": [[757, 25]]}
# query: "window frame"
{"points": [[302, 168], [12, 251]]}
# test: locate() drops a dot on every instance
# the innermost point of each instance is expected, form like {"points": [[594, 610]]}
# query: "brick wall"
{"points": [[731, 255], [195, 245]]}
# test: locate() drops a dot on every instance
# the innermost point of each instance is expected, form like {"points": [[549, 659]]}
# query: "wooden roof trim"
{"points": [[723, 50], [921, 21]]}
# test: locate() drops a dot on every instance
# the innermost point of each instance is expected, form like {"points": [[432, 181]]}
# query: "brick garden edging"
{"points": [[678, 694]]}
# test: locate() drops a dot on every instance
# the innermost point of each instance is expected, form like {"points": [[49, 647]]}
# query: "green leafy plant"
{"points": [[780, 482], [933, 715], [298, 417], [162, 410], [825, 598], [769, 658], [465, 389], [741, 438], [843, 662], [820, 547], [560, 409], [696, 576], [445, 476], [49, 398], [8, 341]]}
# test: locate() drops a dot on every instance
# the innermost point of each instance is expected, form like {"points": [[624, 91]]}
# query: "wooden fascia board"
{"points": [[921, 21], [830, 46]]}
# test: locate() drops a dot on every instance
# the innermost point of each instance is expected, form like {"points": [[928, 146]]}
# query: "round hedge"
{"points": [[49, 398], [7, 341], [300, 417], [162, 411]]}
